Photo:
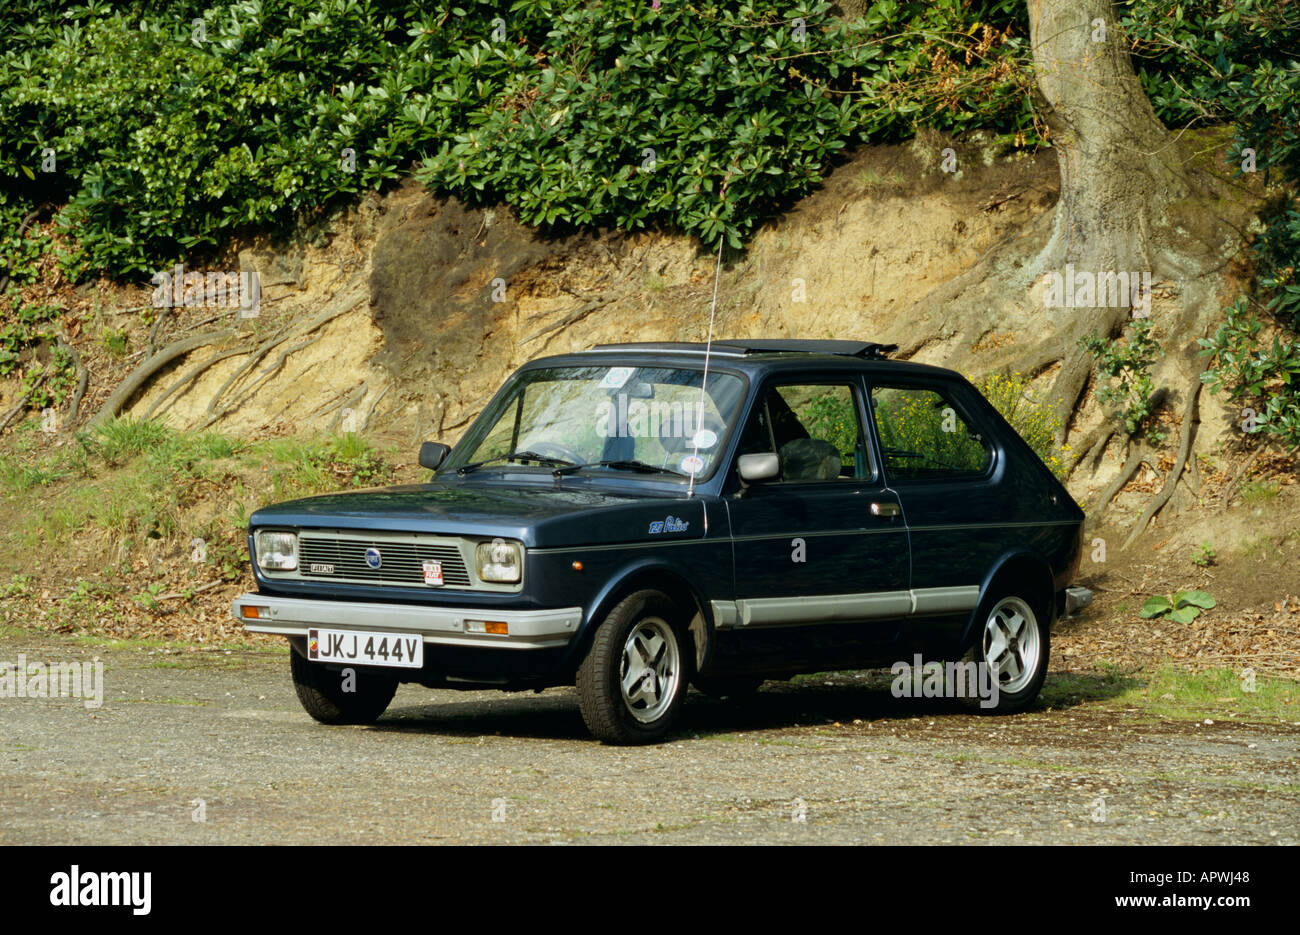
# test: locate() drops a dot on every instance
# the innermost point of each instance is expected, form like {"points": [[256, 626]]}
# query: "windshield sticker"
{"points": [[692, 464], [616, 377], [706, 438], [671, 524]]}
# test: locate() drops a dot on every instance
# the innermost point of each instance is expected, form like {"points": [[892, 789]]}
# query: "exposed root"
{"points": [[20, 407], [157, 325], [145, 371], [574, 315], [1228, 491], [349, 402], [257, 354], [1091, 446], [191, 375], [253, 387], [373, 406], [1135, 458], [83, 380], [215, 411], [1190, 421]]}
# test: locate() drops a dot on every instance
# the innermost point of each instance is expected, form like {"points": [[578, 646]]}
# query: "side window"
{"points": [[814, 428], [922, 435]]}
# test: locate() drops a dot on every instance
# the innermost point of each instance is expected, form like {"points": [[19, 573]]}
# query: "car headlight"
{"points": [[276, 551], [500, 561]]}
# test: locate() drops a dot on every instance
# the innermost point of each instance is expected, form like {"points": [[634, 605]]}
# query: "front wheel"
{"points": [[633, 680], [1013, 645], [356, 695]]}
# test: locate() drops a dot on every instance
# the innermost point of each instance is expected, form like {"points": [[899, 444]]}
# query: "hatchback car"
{"points": [[637, 518]]}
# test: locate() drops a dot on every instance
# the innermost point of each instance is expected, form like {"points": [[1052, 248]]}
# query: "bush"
{"points": [[703, 118]]}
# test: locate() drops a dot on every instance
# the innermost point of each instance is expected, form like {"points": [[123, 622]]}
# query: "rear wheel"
{"points": [[1013, 643], [355, 695], [633, 680]]}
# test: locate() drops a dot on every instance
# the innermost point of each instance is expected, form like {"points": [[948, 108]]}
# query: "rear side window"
{"points": [[924, 436]]}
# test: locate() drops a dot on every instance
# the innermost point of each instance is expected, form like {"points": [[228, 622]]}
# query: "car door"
{"points": [[824, 543], [941, 458]]}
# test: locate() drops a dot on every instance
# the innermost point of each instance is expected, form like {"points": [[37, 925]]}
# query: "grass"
{"points": [[1214, 693], [1258, 491], [139, 480]]}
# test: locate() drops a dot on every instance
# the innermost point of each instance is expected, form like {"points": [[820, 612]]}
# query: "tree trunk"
{"points": [[1120, 168]]}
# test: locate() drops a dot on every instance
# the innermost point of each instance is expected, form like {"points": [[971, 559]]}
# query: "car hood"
{"points": [[540, 515]]}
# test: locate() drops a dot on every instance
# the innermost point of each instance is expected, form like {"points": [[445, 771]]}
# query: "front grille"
{"points": [[402, 560]]}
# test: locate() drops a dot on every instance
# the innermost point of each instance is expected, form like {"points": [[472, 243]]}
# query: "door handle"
{"points": [[885, 509]]}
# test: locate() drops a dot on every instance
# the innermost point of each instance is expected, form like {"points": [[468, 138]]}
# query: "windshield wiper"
{"points": [[514, 456], [640, 467]]}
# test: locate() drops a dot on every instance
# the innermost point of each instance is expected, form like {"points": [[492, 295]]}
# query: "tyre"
{"points": [[1013, 641], [633, 680], [728, 686], [320, 690]]}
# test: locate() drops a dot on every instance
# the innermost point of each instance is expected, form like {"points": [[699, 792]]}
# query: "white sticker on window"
{"points": [[706, 438], [692, 464], [616, 377]]}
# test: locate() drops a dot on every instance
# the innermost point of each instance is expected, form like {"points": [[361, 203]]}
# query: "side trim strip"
{"points": [[835, 608]]}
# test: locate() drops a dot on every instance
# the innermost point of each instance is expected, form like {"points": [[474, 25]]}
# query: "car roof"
{"points": [[754, 356]]}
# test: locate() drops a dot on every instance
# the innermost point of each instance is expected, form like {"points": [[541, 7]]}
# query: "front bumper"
{"points": [[443, 626]]}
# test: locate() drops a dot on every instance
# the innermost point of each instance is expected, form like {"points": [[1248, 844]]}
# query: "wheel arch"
{"points": [[1033, 580], [650, 575]]}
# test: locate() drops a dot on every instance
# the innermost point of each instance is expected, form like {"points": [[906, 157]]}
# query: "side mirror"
{"points": [[433, 454], [758, 467]]}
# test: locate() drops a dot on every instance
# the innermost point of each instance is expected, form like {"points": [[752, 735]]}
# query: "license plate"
{"points": [[366, 648]]}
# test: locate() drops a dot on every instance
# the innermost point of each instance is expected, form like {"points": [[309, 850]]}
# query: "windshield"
{"points": [[627, 417]]}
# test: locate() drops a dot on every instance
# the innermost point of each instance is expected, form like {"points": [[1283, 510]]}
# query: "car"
{"points": [[637, 518]]}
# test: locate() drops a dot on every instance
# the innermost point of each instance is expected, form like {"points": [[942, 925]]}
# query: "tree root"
{"points": [[373, 406], [1227, 492], [145, 371], [348, 402], [1190, 420], [1135, 458], [191, 375], [83, 380], [153, 332], [20, 407], [574, 315], [1091, 446], [344, 305], [253, 387]]}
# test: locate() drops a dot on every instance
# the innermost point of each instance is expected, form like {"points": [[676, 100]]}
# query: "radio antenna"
{"points": [[704, 382]]}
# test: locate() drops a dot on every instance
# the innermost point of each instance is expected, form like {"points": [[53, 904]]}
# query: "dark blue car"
{"points": [[636, 518]]}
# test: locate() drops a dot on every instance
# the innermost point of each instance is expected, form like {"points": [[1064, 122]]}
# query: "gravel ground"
{"points": [[829, 761]]}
